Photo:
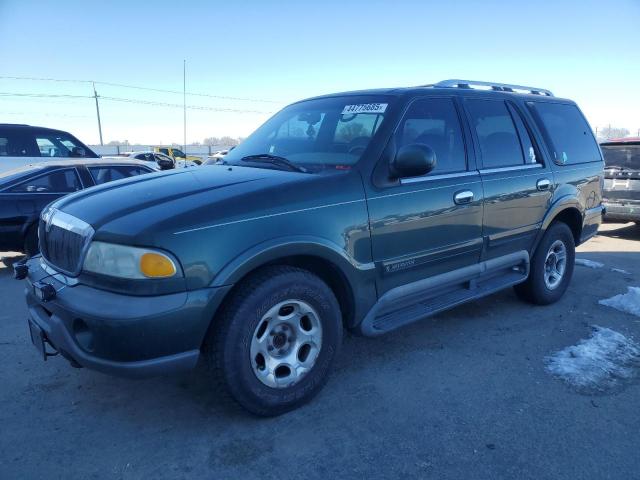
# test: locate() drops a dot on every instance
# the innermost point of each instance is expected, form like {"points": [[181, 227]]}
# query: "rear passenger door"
{"points": [[517, 184], [424, 226]]}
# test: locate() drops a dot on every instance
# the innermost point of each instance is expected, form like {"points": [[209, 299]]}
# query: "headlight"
{"points": [[128, 262]]}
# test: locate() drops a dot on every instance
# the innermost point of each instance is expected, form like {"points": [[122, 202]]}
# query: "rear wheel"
{"points": [[551, 267], [276, 340]]}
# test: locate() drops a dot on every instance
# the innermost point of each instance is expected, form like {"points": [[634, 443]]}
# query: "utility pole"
{"points": [[95, 95], [184, 102]]}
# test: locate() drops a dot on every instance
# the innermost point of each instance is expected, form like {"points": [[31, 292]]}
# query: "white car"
{"points": [[155, 160], [216, 156], [22, 145]]}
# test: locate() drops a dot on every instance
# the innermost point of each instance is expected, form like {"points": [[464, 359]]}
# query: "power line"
{"points": [[177, 105], [137, 87], [133, 100], [41, 95]]}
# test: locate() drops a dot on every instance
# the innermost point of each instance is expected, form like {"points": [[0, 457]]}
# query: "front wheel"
{"points": [[551, 267], [274, 344]]}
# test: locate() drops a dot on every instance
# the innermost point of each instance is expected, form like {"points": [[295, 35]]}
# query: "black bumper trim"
{"points": [[59, 337]]}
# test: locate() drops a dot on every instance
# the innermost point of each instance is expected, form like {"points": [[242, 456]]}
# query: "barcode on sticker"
{"points": [[365, 108]]}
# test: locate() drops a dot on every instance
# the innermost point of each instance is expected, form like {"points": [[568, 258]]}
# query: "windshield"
{"points": [[625, 156], [327, 133]]}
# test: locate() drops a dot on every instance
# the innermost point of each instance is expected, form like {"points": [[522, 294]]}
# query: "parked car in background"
{"points": [[25, 191], [22, 145], [215, 157], [622, 179], [157, 161], [363, 210], [178, 154]]}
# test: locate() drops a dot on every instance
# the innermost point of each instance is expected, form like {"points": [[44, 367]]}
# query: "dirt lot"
{"points": [[461, 395]]}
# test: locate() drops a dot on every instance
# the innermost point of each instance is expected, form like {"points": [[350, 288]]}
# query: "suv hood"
{"points": [[175, 199]]}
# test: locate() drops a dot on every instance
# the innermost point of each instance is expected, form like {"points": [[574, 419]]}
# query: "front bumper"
{"points": [[125, 335], [622, 212]]}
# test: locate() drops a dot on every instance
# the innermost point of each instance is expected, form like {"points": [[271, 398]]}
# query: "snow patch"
{"points": [[620, 270], [602, 362], [625, 302], [588, 263]]}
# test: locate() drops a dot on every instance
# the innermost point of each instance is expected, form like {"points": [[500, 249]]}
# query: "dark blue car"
{"points": [[25, 191]]}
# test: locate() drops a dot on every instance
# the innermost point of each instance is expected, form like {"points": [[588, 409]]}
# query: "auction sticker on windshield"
{"points": [[365, 108]]}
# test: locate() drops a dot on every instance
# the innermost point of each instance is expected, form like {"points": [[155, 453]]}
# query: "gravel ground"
{"points": [[464, 394]]}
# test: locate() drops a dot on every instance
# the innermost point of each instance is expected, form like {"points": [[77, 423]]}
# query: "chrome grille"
{"points": [[64, 240]]}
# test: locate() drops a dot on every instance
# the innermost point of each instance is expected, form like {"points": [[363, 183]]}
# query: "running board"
{"points": [[409, 303]]}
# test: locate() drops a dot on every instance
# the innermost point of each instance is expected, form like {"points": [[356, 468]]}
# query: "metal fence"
{"points": [[198, 150]]}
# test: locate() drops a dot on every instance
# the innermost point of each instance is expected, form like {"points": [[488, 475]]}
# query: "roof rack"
{"points": [[497, 87]]}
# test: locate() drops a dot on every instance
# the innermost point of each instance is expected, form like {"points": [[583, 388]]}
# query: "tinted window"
{"points": [[435, 123], [109, 173], [530, 151], [625, 156], [145, 156], [569, 133], [13, 144], [60, 145], [496, 132], [60, 181]]}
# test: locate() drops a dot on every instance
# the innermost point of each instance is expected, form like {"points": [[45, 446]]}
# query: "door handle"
{"points": [[543, 184], [465, 196]]}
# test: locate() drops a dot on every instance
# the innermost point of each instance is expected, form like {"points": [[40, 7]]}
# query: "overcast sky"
{"points": [[276, 52]]}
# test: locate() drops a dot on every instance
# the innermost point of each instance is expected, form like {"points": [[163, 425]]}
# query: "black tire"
{"points": [[31, 247], [534, 289], [227, 349]]}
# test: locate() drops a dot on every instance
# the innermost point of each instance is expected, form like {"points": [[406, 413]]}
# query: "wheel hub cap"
{"points": [[286, 343], [555, 265]]}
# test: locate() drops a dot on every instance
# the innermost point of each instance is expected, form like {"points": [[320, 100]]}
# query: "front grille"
{"points": [[63, 239]]}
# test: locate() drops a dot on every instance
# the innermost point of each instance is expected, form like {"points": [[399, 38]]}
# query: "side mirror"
{"points": [[413, 160], [78, 152], [165, 164]]}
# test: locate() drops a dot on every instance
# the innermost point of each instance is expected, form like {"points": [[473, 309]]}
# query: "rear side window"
{"points": [[568, 133], [60, 181], [435, 123], [109, 173], [497, 134], [13, 144]]}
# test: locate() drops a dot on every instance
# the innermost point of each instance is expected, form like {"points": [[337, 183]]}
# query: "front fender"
{"points": [[359, 276], [282, 247]]}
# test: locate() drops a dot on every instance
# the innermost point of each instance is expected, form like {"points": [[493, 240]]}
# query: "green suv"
{"points": [[366, 210]]}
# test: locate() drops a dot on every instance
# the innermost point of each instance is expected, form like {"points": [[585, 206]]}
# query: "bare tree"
{"points": [[228, 141], [211, 141], [613, 132]]}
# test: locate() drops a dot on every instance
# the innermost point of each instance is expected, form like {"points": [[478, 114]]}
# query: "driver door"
{"points": [[424, 226]]}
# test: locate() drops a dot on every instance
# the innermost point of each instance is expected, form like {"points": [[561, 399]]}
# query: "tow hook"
{"points": [[20, 271]]}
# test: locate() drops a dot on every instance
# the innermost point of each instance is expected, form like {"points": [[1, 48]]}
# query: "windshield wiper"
{"points": [[614, 167], [275, 160]]}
